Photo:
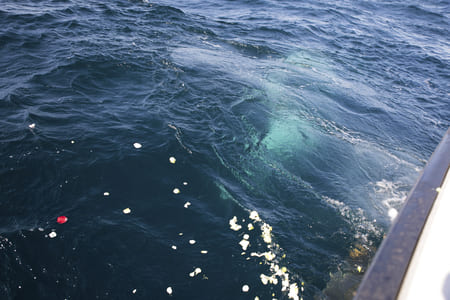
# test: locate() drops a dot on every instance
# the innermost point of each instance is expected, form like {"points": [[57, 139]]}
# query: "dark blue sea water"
{"points": [[298, 128]]}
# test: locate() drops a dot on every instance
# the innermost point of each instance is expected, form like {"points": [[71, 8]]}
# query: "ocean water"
{"points": [[296, 130]]}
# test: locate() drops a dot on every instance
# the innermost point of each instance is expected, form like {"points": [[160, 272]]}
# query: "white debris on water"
{"points": [[268, 279], [293, 292], [169, 290], [187, 204], [106, 194], [137, 145], [269, 255], [273, 256], [174, 247], [192, 242], [233, 225], [126, 210], [52, 234], [245, 288], [172, 160], [244, 244], [32, 126], [254, 216], [176, 191], [195, 272], [266, 233]]}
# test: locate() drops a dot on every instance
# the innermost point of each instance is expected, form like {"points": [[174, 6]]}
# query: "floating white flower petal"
{"points": [[185, 183], [264, 279], [293, 292], [277, 273], [169, 290], [204, 252], [172, 160], [195, 272], [233, 225], [126, 210], [269, 255], [266, 233], [187, 204], [284, 283], [32, 126], [254, 216], [174, 247], [106, 194], [192, 242], [245, 288], [256, 254], [72, 142], [244, 244], [137, 145], [52, 234], [134, 291], [176, 191], [268, 279]]}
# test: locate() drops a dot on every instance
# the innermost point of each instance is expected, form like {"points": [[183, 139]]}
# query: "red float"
{"points": [[62, 219]]}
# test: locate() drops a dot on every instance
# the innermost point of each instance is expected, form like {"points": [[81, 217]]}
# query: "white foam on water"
{"points": [[362, 226], [391, 195]]}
